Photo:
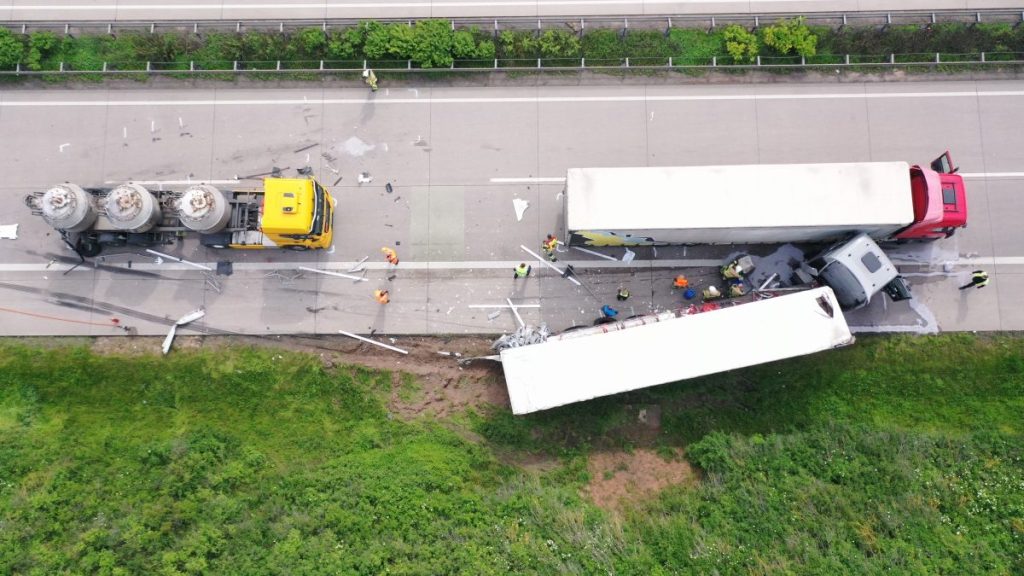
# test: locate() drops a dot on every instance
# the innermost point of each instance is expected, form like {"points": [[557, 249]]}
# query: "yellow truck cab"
{"points": [[295, 213]]}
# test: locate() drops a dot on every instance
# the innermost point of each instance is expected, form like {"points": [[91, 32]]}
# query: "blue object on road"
{"points": [[608, 311], [689, 294]]}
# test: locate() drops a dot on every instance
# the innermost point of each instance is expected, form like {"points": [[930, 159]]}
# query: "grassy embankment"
{"points": [[901, 454]]}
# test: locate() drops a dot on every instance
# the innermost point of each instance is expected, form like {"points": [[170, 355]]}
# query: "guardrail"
{"points": [[325, 67], [578, 24]]}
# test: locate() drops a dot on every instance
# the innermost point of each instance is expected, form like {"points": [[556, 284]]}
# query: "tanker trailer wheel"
{"points": [[297, 248]]}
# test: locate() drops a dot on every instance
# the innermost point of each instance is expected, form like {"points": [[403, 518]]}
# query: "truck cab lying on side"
{"points": [[856, 270]]}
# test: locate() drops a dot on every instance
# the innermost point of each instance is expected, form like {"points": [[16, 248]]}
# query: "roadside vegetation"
{"points": [[433, 44], [898, 454]]}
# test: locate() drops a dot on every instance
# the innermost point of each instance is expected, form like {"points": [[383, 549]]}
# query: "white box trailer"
{"points": [[573, 369], [744, 204]]}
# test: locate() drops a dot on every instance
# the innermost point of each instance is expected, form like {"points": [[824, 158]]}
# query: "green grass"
{"points": [[899, 454]]}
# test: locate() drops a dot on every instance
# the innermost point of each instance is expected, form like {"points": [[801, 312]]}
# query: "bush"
{"points": [[517, 44], [310, 42], [11, 50], [41, 45], [790, 36], [433, 41], [740, 43], [559, 44], [603, 44], [694, 47]]}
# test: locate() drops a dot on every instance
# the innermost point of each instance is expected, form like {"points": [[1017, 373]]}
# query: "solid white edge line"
{"points": [[379, 5]]}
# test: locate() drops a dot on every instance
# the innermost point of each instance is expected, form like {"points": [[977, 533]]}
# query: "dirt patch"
{"points": [[440, 386], [618, 478]]}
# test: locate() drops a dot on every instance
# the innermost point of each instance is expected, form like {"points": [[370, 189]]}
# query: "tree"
{"points": [[40, 46], [11, 49], [740, 43], [789, 36]]}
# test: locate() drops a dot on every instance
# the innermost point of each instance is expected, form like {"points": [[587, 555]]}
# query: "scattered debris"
{"points": [[598, 254], [567, 273], [374, 342], [190, 317], [365, 178], [63, 146], [336, 181], [388, 188], [9, 231], [628, 256], [494, 315], [524, 336], [304, 148], [357, 267], [225, 268], [212, 283], [338, 274], [305, 171], [176, 259], [520, 206], [453, 354]]}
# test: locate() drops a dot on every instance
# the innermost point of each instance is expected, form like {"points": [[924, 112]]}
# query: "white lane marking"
{"points": [[381, 5], [469, 265], [525, 180], [991, 175], [506, 100]]}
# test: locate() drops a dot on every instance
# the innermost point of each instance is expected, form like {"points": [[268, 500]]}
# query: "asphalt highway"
{"points": [[456, 159]]}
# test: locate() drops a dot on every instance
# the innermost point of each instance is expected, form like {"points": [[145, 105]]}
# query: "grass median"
{"points": [[899, 453]]}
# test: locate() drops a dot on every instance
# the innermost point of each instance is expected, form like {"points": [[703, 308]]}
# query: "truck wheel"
{"points": [[298, 248]]}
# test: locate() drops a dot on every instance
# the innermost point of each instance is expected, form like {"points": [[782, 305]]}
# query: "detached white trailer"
{"points": [[576, 368], [746, 204]]}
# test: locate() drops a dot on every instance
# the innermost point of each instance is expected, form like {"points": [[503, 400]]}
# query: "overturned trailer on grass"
{"points": [[672, 346]]}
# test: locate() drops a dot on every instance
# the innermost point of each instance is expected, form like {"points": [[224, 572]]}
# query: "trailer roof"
{"points": [[559, 372], [754, 196]]}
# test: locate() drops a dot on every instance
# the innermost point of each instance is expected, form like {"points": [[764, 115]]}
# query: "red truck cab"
{"points": [[940, 204]]}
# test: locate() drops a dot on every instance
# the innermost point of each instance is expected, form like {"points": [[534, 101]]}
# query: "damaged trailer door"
{"points": [[563, 371]]}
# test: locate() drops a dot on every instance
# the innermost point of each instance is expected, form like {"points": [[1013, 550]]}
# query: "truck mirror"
{"points": [[944, 164]]}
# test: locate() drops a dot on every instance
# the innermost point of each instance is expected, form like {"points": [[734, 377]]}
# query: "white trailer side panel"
{"points": [[555, 373], [737, 204]]}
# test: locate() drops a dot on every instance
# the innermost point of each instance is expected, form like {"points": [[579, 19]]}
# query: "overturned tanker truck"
{"points": [[291, 213]]}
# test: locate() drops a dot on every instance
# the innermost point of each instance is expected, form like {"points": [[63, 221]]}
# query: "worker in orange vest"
{"points": [[549, 244], [390, 255], [382, 296], [680, 282]]}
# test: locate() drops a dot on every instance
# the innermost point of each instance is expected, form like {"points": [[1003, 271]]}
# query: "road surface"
{"points": [[456, 158], [161, 10]]}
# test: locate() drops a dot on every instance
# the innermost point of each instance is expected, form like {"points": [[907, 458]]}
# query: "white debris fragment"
{"points": [[9, 232], [63, 146], [520, 206], [190, 317], [364, 178], [494, 315], [158, 260], [948, 267], [628, 256]]}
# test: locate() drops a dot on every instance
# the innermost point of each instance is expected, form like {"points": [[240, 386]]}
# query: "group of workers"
{"points": [[733, 273]]}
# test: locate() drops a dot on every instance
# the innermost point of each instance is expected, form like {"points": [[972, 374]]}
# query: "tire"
{"points": [[297, 248]]}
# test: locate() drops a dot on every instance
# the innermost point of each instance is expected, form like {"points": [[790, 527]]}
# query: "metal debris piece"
{"points": [[356, 267], [524, 336], [190, 317], [592, 253], [225, 268], [304, 148], [305, 171], [374, 342], [494, 315], [176, 259], [364, 178]]}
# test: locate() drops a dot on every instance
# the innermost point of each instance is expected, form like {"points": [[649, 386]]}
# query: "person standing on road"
{"points": [[381, 296], [979, 279], [680, 282], [623, 294], [371, 79], [522, 271], [390, 255], [549, 244]]}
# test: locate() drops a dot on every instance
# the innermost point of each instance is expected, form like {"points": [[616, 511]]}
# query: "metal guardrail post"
{"points": [[892, 59], [847, 59], [104, 66], [714, 61], [669, 61], [110, 29], [803, 60], [937, 60], [281, 28], [17, 69], [583, 62], [364, 65], [982, 57], [495, 63], [191, 65], [977, 17], [408, 64], [757, 22], [195, 29], [234, 66], [152, 28], [238, 27], [149, 66], [538, 62], [321, 65], [61, 66], [933, 17], [627, 61], [712, 23], [323, 26], [278, 65], [758, 60]]}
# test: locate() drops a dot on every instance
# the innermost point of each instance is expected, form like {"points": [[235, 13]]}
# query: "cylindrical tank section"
{"points": [[204, 209], [68, 207], [130, 207]]}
